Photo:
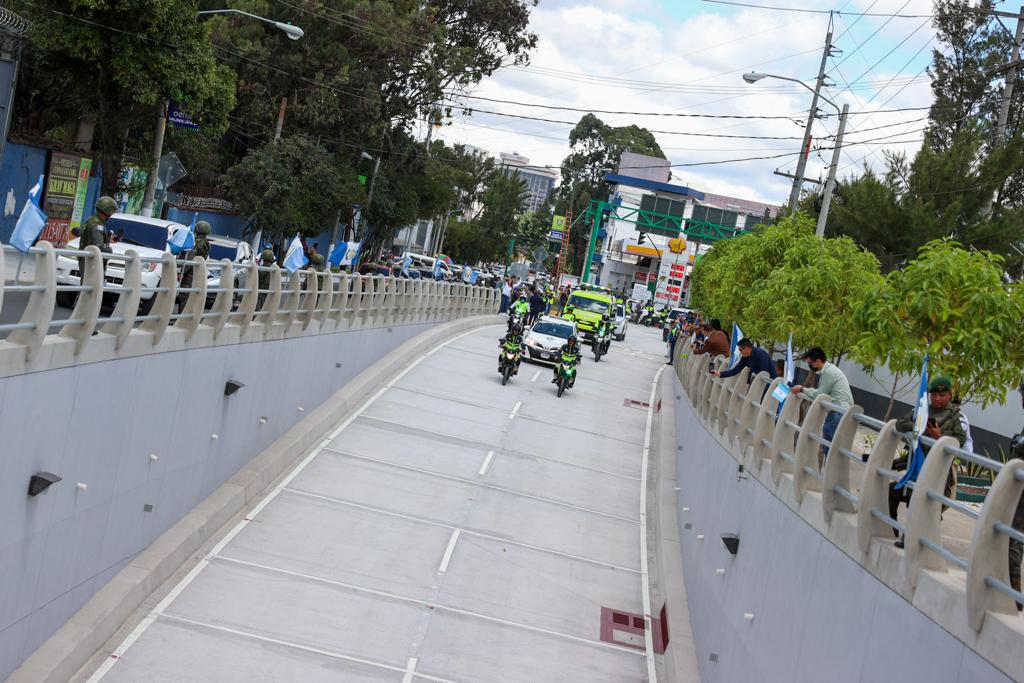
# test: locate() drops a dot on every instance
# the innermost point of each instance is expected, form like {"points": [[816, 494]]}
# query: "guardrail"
{"points": [[785, 453], [250, 303]]}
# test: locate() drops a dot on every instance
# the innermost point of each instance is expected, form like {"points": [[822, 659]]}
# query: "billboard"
{"points": [[64, 202]]}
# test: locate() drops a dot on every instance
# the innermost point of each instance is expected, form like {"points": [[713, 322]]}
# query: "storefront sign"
{"points": [[64, 202]]}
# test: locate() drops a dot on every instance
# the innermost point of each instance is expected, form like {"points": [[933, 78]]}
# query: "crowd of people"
{"points": [[945, 416]]}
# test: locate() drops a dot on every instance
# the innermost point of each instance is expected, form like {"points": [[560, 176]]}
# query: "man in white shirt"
{"points": [[506, 293]]}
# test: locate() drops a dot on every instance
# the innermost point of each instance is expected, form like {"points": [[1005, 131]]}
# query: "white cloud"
{"points": [[694, 66]]}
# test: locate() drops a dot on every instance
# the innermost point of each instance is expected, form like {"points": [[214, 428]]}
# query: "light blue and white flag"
{"points": [[920, 422], [473, 277], [467, 274], [406, 263], [183, 240], [734, 349], [437, 269], [295, 257], [31, 221], [781, 392]]}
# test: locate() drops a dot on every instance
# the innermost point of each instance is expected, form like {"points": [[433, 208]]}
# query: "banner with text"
{"points": [[64, 202]]}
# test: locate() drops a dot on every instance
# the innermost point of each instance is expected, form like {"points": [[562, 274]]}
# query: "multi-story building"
{"points": [[539, 179], [630, 253]]}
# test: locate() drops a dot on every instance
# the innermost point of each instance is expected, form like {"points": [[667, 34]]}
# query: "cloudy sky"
{"points": [[687, 57]]}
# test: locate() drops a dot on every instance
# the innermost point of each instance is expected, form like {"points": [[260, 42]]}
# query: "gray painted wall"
{"points": [[98, 424], [818, 615]]}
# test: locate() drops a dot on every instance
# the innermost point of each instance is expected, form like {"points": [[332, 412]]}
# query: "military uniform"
{"points": [[949, 423], [201, 248], [263, 280], [94, 233]]}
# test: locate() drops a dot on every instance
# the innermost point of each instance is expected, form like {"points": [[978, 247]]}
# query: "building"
{"points": [[539, 179], [633, 248]]}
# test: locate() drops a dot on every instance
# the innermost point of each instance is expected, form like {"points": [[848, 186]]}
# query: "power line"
{"points": [[625, 113], [820, 11]]}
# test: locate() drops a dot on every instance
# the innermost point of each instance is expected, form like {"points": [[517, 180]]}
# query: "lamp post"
{"points": [[293, 32], [826, 201]]}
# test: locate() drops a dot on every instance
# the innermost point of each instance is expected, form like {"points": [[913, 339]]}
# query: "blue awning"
{"points": [[654, 186]]}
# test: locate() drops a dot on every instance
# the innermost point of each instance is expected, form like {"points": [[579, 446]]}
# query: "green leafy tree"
{"points": [[950, 303], [292, 186], [99, 61]]}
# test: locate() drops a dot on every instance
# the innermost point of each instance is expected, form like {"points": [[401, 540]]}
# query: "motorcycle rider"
{"points": [[511, 342], [569, 355], [603, 331]]}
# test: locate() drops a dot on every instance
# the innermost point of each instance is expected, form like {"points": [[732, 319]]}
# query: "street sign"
{"points": [[540, 255], [555, 236], [176, 117], [558, 224]]}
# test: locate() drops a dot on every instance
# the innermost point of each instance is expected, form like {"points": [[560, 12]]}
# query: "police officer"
{"points": [[266, 260], [569, 355], [201, 248], [94, 230]]}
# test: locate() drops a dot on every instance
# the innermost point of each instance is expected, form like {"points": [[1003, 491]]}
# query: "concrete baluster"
{"points": [[990, 548], [292, 305], [87, 308], [924, 516], [272, 304], [874, 488], [837, 465], [764, 425], [324, 299], [196, 303], [807, 449], [127, 307], [225, 297], [712, 390], [341, 303], [163, 307], [740, 390], [782, 439], [310, 293], [247, 306], [39, 309], [747, 417]]}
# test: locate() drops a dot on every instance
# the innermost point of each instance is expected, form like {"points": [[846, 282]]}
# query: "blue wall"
{"points": [[20, 168], [227, 224]]}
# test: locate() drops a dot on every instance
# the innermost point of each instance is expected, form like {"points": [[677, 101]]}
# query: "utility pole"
{"points": [[826, 200], [801, 164], [280, 119], [158, 146], [1004, 109]]}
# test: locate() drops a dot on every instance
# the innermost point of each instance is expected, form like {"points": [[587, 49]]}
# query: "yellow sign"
{"points": [[677, 245], [642, 250], [558, 223]]}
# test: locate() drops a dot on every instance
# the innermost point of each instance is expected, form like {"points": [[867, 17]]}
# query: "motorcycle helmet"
{"points": [[516, 328], [572, 340]]}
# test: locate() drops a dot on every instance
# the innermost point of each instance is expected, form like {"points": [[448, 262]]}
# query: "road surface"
{"points": [[455, 530]]}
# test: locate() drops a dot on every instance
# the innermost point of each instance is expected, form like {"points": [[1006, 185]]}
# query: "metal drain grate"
{"points": [[627, 629], [630, 403]]}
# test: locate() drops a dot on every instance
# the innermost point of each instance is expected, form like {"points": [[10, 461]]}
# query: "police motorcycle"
{"points": [[509, 357], [602, 338], [565, 371]]}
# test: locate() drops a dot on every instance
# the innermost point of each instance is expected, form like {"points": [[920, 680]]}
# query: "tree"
{"points": [[950, 303], [100, 62], [292, 186], [596, 148]]}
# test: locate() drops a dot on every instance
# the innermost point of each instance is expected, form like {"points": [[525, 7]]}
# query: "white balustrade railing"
{"points": [[778, 444], [284, 305]]}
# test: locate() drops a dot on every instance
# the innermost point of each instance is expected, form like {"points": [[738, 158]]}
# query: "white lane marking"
{"points": [[645, 580], [512, 415], [468, 532], [297, 646], [434, 606], [487, 463], [475, 482], [535, 376], [157, 611], [446, 560], [410, 668]]}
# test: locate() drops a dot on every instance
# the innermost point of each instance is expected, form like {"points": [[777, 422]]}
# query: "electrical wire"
{"points": [[820, 11]]}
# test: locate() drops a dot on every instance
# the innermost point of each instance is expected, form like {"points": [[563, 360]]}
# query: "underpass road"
{"points": [[455, 530]]}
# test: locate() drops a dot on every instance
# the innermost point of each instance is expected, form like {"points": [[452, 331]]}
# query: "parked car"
{"points": [[621, 322], [425, 265], [546, 337], [146, 236], [239, 252]]}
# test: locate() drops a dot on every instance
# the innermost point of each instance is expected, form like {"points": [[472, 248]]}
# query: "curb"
{"points": [[85, 633]]}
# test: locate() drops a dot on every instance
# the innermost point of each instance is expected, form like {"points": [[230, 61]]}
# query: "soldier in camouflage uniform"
{"points": [[201, 248], [93, 231], [1016, 547], [266, 260]]}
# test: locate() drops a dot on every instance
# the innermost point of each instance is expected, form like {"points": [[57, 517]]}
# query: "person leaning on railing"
{"points": [[753, 357], [715, 342], [832, 382], [943, 420]]}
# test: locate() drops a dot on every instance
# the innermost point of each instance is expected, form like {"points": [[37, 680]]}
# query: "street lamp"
{"points": [[826, 200], [293, 32]]}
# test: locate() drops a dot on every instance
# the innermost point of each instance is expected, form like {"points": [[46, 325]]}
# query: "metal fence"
{"points": [[144, 301], [779, 445]]}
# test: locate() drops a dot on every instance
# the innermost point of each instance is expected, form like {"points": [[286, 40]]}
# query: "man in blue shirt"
{"points": [[755, 358]]}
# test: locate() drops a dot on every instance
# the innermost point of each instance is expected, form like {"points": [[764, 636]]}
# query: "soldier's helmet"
{"points": [[106, 205], [267, 256], [202, 228], [317, 260]]}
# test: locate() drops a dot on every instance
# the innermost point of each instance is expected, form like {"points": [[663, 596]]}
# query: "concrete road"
{"points": [[456, 530]]}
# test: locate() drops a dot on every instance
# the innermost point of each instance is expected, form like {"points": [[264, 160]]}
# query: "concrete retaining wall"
{"points": [[149, 437], [791, 605]]}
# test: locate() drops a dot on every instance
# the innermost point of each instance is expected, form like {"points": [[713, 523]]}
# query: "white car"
{"points": [[546, 337], [621, 322], [146, 236], [239, 252]]}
